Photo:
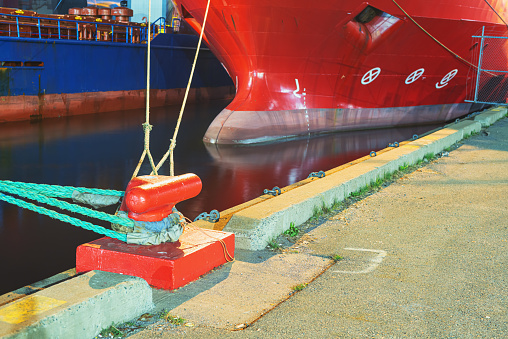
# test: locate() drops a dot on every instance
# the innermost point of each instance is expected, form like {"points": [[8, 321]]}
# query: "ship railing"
{"points": [[74, 27], [158, 26]]}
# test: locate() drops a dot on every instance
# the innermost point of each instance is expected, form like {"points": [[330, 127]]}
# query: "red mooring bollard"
{"points": [[152, 197]]}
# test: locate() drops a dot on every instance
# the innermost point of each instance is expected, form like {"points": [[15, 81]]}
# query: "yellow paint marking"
{"points": [[434, 137], [24, 309], [92, 245]]}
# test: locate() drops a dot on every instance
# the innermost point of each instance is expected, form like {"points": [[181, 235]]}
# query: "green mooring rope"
{"points": [[59, 191], [44, 194], [65, 218]]}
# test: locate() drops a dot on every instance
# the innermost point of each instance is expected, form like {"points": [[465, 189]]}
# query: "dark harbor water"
{"points": [[102, 151]]}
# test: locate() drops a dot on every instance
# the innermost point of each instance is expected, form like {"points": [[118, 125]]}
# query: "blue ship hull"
{"points": [[42, 78]]}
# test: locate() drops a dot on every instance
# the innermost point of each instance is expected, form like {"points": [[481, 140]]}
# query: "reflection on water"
{"points": [[250, 169], [103, 150]]}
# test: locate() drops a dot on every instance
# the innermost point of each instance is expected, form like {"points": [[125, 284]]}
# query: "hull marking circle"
{"points": [[371, 75], [446, 79], [414, 76]]}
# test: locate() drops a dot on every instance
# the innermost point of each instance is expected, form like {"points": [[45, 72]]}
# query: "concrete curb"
{"points": [[491, 116], [77, 308], [255, 226]]}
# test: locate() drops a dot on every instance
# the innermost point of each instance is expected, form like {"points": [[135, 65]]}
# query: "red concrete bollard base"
{"points": [[167, 266]]}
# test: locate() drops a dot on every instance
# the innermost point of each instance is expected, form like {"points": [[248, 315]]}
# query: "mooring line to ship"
{"points": [[173, 140], [433, 38], [47, 194], [500, 17], [146, 125]]}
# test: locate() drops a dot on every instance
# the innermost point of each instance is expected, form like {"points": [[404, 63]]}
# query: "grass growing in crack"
{"points": [[111, 331], [367, 188], [378, 183], [175, 320], [325, 209], [389, 176], [469, 135], [337, 257], [403, 167], [429, 156], [292, 231], [315, 213], [356, 194], [337, 205], [273, 245], [299, 287]]}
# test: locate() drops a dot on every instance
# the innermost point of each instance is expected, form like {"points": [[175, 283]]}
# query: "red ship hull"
{"points": [[333, 65]]}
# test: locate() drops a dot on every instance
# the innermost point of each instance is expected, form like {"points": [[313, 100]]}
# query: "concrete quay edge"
{"points": [[256, 225], [489, 117], [76, 308], [9, 297]]}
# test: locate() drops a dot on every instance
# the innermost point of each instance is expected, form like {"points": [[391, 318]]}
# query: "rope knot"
{"points": [[147, 127], [172, 145]]}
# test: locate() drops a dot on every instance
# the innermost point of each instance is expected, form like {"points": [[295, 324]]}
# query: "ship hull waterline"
{"points": [[269, 126], [37, 107]]}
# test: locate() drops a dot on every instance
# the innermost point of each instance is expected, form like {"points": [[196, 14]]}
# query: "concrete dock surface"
{"points": [[423, 257]]}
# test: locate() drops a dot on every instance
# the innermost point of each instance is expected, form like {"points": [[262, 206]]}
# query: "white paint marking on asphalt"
{"points": [[374, 261]]}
